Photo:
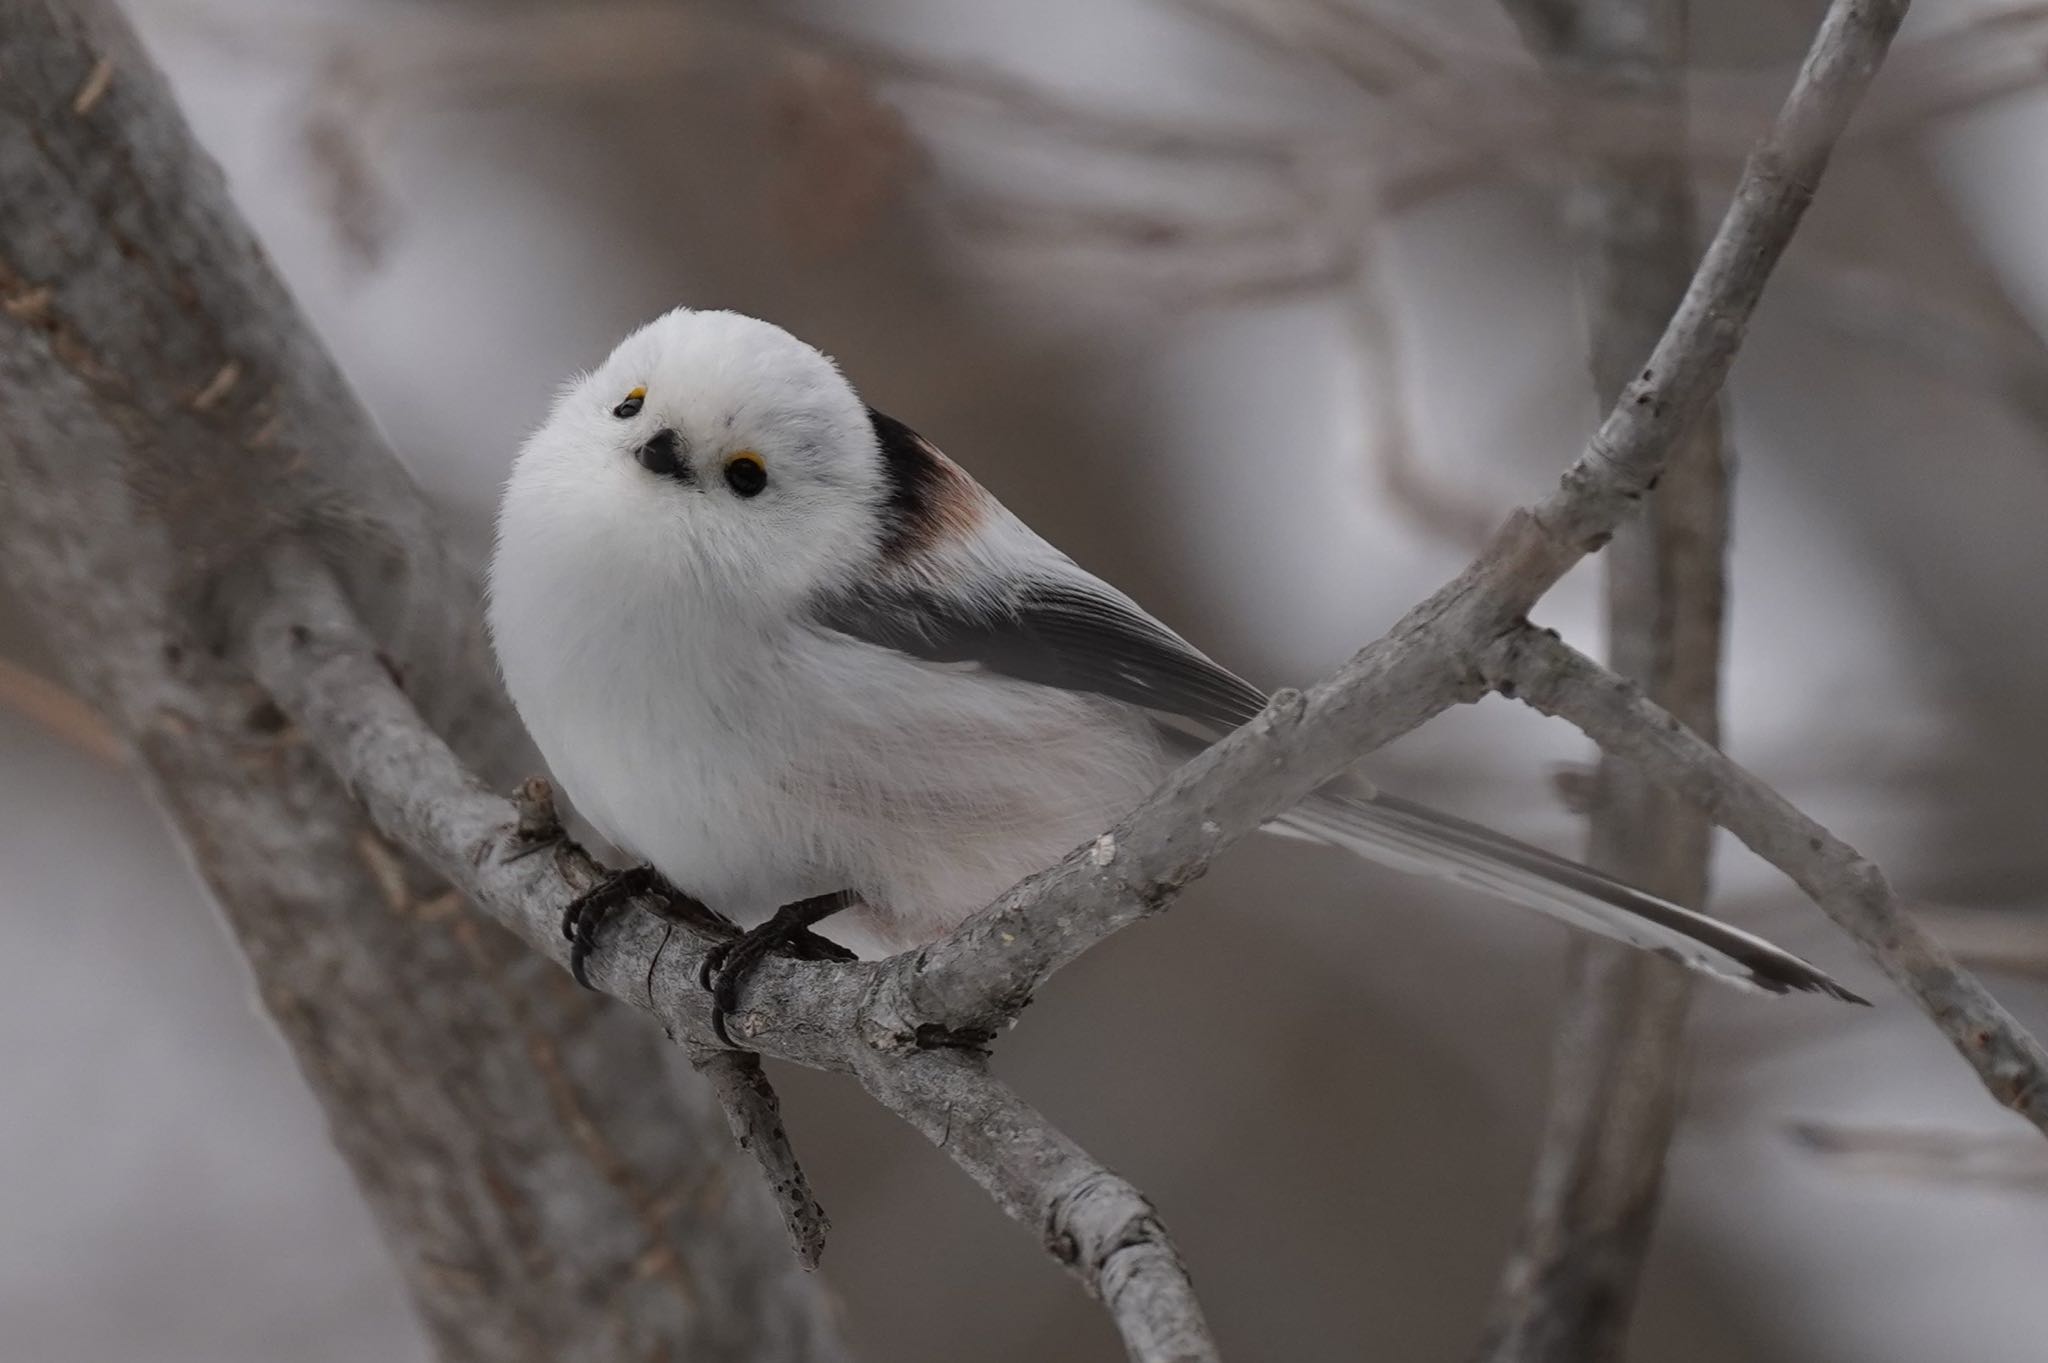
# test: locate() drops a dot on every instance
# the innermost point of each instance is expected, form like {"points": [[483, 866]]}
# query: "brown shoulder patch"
{"points": [[930, 499]]}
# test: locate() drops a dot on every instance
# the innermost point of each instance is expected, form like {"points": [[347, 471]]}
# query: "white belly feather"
{"points": [[754, 769]]}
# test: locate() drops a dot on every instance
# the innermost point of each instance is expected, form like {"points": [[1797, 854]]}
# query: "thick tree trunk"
{"points": [[553, 1181]]}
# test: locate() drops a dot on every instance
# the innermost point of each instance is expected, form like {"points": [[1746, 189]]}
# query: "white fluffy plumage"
{"points": [[849, 668]]}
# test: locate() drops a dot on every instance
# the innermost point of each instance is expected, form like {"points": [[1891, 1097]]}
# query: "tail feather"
{"points": [[1415, 838]]}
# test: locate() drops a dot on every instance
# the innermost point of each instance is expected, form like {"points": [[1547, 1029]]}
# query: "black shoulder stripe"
{"points": [[919, 486]]}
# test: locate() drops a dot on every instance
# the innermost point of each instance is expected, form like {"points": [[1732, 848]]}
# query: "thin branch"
{"points": [[302, 641], [972, 981], [1181, 259], [1557, 680], [1379, 54], [989, 90], [1618, 1063], [1434, 505], [1096, 1224], [898, 1025], [1442, 111], [2001, 1161], [754, 1113]]}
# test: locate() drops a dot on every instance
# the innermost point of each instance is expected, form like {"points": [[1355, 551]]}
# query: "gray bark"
{"points": [[551, 1183], [1618, 1065], [219, 509], [972, 981], [303, 642], [1539, 668]]}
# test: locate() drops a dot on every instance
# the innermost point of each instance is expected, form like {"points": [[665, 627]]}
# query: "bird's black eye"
{"points": [[635, 400], [745, 474]]}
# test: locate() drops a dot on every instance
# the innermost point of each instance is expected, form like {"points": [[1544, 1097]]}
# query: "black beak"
{"points": [[663, 454]]}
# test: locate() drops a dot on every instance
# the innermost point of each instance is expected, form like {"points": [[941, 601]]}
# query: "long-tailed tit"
{"points": [[781, 648]]}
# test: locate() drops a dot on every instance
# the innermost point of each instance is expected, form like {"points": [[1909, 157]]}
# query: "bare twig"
{"points": [[302, 641], [1433, 504], [1095, 1223], [754, 1112], [1439, 111], [2003, 1161], [1019, 103], [1558, 680], [906, 1028], [368, 80], [1183, 259], [974, 979], [1380, 54], [1617, 1066]]}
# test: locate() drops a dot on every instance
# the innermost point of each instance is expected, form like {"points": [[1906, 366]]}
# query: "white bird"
{"points": [[779, 647]]}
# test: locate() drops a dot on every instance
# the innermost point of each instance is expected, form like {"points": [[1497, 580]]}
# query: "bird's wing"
{"points": [[963, 581], [1075, 634], [1005, 601]]}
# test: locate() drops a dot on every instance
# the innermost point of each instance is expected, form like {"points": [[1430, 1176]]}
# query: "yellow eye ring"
{"points": [[745, 474], [631, 406]]}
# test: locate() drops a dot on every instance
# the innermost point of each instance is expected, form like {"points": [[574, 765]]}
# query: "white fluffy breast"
{"points": [[755, 763]]}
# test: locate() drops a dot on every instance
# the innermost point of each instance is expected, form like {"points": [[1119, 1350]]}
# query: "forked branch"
{"points": [[973, 980], [1555, 678], [909, 1029], [303, 643]]}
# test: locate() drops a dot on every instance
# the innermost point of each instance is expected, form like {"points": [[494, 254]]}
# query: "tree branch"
{"points": [[972, 981], [1095, 1223], [299, 636], [229, 450], [302, 642], [1554, 678], [754, 1112], [1618, 1063], [1429, 501], [2004, 1162]]}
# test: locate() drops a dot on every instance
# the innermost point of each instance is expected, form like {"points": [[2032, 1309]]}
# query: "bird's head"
{"points": [[712, 454]]}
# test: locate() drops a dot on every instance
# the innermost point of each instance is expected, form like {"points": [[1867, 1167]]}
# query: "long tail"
{"points": [[1412, 837]]}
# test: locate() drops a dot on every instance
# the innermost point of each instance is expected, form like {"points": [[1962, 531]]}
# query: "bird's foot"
{"points": [[729, 965], [588, 912]]}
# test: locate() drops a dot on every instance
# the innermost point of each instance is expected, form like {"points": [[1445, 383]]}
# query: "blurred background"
{"points": [[1263, 309]]}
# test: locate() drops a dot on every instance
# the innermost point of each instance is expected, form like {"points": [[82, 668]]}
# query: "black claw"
{"points": [[588, 912], [711, 977], [729, 965]]}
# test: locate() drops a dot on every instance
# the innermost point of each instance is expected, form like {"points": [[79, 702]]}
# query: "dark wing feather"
{"points": [[1074, 635]]}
